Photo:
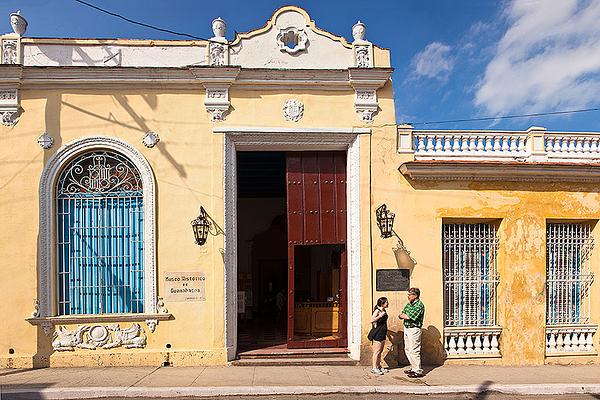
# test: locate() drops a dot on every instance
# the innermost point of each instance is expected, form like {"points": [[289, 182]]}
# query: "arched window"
{"points": [[100, 235]]}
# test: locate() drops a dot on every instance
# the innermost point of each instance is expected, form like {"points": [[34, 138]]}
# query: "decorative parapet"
{"points": [[533, 145], [11, 49], [218, 48], [362, 49], [469, 342], [576, 339]]}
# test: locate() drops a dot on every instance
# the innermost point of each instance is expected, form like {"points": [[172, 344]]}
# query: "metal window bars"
{"points": [[470, 274], [568, 274], [100, 236]]}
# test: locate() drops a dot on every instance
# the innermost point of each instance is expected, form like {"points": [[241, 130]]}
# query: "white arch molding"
{"points": [[293, 139], [47, 225]]}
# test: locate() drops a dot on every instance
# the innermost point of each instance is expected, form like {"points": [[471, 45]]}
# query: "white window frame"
{"points": [[47, 296]]}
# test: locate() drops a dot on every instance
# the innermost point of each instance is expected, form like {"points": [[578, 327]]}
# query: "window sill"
{"points": [[48, 323]]}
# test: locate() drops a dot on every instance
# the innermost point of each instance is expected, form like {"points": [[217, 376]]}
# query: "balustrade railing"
{"points": [[472, 341], [533, 145], [565, 339], [569, 147], [470, 145]]}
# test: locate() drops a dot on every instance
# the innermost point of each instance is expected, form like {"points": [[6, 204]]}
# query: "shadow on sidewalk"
{"points": [[16, 371], [26, 392], [483, 390]]}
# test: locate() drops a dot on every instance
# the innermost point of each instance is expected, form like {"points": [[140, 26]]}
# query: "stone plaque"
{"points": [[184, 286], [392, 280]]}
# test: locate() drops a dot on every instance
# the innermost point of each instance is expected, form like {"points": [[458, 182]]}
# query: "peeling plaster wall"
{"points": [[522, 208]]}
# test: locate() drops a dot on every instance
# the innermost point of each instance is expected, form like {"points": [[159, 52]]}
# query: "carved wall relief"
{"points": [[93, 337], [293, 110], [9, 51]]}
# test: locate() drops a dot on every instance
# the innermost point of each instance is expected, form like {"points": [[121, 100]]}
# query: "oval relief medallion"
{"points": [[293, 110]]}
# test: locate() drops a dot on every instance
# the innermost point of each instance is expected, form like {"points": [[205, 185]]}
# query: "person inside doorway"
{"points": [[412, 315]]}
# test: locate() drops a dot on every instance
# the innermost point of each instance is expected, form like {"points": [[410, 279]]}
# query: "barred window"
{"points": [[470, 274], [100, 244], [568, 275]]}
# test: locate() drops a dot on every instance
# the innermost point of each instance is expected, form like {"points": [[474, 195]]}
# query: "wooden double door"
{"points": [[316, 230]]}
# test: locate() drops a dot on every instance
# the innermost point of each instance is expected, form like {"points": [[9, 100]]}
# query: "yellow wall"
{"points": [[523, 210], [188, 170]]}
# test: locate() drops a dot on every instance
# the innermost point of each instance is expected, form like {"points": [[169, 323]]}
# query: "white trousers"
{"points": [[412, 348]]}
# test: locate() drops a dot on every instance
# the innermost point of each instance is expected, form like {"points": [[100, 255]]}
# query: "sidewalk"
{"points": [[73, 383]]}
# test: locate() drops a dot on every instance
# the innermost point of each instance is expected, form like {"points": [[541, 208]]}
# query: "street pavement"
{"points": [[298, 382]]}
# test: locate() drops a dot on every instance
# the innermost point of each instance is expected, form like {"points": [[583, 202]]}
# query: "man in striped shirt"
{"points": [[413, 314]]}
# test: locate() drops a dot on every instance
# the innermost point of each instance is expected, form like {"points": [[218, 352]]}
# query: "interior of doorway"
{"points": [[262, 250]]}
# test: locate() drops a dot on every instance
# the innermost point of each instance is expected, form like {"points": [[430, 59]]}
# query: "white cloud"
{"points": [[435, 61], [548, 58]]}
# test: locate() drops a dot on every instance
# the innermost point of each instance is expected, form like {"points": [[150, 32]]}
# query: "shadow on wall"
{"points": [[432, 348]]}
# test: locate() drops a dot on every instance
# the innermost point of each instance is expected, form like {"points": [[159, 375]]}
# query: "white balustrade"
{"points": [[565, 339], [469, 145], [572, 147], [472, 342], [533, 145]]}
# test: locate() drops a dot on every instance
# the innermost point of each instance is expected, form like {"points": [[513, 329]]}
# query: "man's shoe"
{"points": [[376, 371], [408, 371], [384, 370], [413, 374]]}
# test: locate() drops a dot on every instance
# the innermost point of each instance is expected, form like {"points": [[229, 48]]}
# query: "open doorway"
{"points": [[262, 250]]}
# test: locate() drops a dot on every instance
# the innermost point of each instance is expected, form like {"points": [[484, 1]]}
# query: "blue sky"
{"points": [[453, 59]]}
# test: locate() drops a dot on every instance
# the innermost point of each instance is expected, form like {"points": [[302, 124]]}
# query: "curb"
{"points": [[162, 392]]}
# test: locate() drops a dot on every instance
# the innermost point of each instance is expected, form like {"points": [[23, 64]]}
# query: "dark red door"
{"points": [[317, 272]]}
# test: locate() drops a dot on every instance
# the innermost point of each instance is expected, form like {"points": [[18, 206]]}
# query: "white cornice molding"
{"points": [[287, 139], [498, 171], [369, 78], [210, 74], [87, 77], [288, 130], [330, 79]]}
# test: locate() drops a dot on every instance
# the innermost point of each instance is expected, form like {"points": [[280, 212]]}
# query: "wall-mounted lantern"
{"points": [[201, 227], [385, 221]]}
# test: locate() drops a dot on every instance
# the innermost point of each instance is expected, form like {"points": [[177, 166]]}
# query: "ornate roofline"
{"points": [[271, 22]]}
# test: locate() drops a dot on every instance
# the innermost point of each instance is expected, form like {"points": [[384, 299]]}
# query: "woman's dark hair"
{"points": [[381, 301]]}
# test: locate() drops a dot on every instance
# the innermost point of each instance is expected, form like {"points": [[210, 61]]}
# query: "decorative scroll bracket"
{"points": [[365, 82], [9, 106], [365, 103], [217, 102]]}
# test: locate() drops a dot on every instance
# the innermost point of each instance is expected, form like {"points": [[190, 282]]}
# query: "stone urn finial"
{"points": [[18, 23], [219, 27], [358, 32]]}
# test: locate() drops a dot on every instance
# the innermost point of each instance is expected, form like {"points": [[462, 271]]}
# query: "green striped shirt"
{"points": [[416, 312]]}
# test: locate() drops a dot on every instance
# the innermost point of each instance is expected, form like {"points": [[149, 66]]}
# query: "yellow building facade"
{"points": [[280, 145]]}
